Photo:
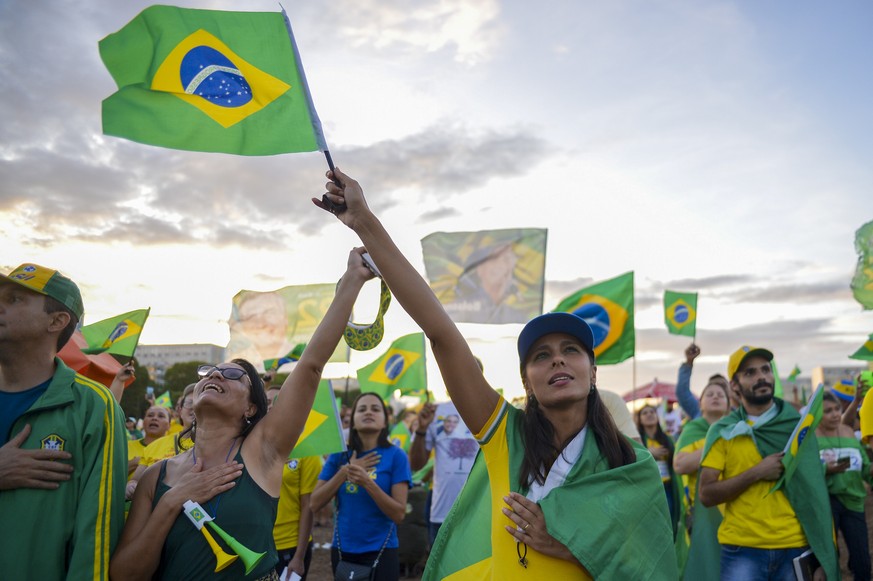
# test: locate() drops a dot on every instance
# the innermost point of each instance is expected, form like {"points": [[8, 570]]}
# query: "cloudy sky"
{"points": [[717, 147]]}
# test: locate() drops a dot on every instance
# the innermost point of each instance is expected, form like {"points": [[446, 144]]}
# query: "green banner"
{"points": [[862, 282]]}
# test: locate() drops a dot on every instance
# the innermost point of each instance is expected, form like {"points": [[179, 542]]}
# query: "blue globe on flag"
{"points": [[394, 366], [597, 318], [681, 314]]}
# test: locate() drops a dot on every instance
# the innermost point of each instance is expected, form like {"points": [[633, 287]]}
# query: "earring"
{"points": [[248, 421]]}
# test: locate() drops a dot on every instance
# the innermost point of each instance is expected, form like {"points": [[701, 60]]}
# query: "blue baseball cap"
{"points": [[554, 323]]}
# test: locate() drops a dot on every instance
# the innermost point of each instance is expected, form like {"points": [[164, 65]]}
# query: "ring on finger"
{"points": [[525, 527]]}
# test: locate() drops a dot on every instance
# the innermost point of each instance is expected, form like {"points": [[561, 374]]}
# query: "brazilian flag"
{"points": [[401, 367], [810, 416], [608, 308], [323, 432], [206, 80], [290, 357], [117, 335], [680, 313], [865, 352]]}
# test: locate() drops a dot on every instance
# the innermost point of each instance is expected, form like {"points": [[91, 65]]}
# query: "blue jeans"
{"points": [[748, 564]]}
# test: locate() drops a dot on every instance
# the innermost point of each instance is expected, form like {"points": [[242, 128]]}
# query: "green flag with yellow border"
{"points": [[117, 335], [865, 351], [401, 367], [207, 80], [680, 313]]}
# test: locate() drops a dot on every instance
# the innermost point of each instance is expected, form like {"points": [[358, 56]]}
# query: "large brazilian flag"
{"points": [[206, 80], [118, 335]]}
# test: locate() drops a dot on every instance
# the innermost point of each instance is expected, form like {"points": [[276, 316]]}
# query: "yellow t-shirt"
{"points": [[753, 519], [299, 476], [163, 448], [689, 481], [175, 428], [134, 448], [503, 563]]}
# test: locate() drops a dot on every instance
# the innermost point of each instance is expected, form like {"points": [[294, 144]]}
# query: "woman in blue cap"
{"points": [[561, 494]]}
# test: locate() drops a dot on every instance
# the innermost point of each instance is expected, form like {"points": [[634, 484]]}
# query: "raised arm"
{"points": [[277, 433], [469, 390]]}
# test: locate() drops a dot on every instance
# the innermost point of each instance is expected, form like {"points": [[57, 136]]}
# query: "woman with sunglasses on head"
{"points": [[371, 484], [234, 468], [569, 496]]}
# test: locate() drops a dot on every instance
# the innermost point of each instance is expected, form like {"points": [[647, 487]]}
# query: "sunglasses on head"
{"points": [[226, 372]]}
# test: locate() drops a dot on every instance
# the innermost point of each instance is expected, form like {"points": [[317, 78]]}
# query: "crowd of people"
{"points": [[563, 485]]}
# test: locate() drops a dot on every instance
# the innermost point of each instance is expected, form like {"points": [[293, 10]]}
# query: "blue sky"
{"points": [[721, 147]]}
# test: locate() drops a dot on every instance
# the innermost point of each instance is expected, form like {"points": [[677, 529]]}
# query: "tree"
{"points": [[178, 376]]}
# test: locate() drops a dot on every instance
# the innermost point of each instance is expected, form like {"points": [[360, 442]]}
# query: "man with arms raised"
{"points": [[63, 445], [763, 530]]}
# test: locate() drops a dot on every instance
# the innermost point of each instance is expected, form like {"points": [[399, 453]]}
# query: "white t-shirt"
{"points": [[455, 449]]}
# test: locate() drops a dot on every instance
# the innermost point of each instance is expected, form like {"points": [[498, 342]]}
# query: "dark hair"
{"points": [[52, 305], [538, 436], [660, 435], [257, 395], [355, 443], [828, 396]]}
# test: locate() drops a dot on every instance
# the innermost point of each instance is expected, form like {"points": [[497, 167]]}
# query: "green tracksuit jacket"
{"points": [[68, 533]]}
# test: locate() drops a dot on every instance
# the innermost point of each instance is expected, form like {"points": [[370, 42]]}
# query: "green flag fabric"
{"points": [[608, 307], [810, 416], [792, 377], [680, 313], [117, 335], [865, 352], [206, 80], [622, 531], [778, 390], [323, 432], [806, 491], [401, 367], [489, 277], [164, 400], [401, 437], [290, 357], [862, 282]]}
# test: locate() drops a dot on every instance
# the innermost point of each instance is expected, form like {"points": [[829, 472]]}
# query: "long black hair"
{"points": [[355, 443], [660, 435], [538, 435]]}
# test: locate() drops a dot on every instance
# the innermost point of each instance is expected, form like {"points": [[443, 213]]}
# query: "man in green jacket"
{"points": [[63, 454]]}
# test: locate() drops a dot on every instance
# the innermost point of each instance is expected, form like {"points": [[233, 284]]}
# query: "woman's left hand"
{"points": [[531, 527]]}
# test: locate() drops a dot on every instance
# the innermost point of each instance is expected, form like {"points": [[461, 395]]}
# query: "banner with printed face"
{"points": [[267, 325], [491, 276]]}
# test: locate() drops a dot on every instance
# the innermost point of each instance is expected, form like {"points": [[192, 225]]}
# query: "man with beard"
{"points": [[763, 530]]}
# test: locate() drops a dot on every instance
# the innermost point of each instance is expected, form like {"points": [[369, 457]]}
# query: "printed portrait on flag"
{"points": [[491, 276], [265, 325]]}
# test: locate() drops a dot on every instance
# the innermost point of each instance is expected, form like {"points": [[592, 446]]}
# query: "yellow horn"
{"points": [[249, 557], [222, 559]]}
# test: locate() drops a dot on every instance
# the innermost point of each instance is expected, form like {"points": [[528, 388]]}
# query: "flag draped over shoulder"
{"points": [[862, 282], [806, 491], [491, 276], [810, 416], [206, 80], [608, 308], [865, 352], [618, 533], [323, 432], [401, 367], [117, 335], [680, 313]]}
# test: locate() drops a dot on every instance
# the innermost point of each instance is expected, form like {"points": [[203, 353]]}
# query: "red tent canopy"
{"points": [[654, 389], [101, 368]]}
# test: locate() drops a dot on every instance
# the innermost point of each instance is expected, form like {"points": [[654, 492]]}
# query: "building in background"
{"points": [[157, 358]]}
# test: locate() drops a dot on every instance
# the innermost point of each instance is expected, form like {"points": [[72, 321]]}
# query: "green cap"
{"points": [[50, 283]]}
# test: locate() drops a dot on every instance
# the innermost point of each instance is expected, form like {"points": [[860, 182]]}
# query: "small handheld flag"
{"points": [[117, 335], [680, 313], [290, 357], [401, 367], [164, 400], [865, 352]]}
